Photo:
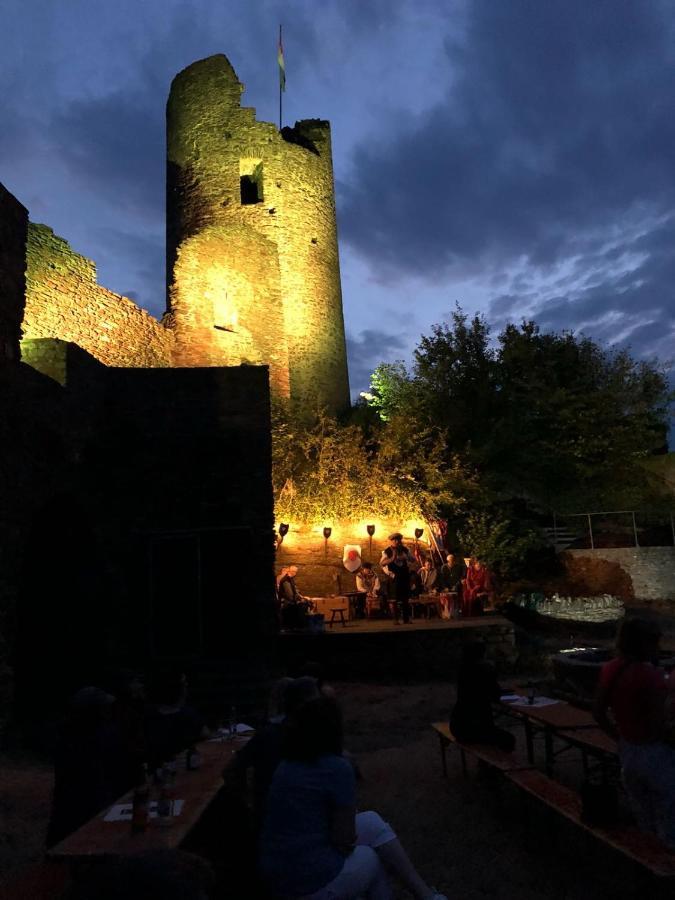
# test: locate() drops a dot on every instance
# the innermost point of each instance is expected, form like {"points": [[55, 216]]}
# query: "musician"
{"points": [[294, 607], [368, 582], [396, 560], [429, 576]]}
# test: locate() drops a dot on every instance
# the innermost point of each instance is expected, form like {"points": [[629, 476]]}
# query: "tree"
{"points": [[552, 419]]}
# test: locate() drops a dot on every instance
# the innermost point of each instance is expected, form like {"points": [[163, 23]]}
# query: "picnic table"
{"points": [[197, 789], [555, 718]]}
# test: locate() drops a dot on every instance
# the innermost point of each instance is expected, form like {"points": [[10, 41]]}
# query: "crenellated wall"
{"points": [[65, 301], [285, 311]]}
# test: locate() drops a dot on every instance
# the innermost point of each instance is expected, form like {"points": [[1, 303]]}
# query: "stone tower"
{"points": [[253, 273]]}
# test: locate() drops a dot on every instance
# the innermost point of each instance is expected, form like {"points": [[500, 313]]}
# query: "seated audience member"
{"points": [[88, 765], [262, 753], [314, 845], [314, 670], [171, 725], [479, 590], [471, 719], [630, 706]]}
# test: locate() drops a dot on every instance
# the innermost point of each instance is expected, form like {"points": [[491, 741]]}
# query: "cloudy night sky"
{"points": [[514, 156]]}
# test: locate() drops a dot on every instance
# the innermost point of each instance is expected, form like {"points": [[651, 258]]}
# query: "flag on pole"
{"points": [[282, 64]]}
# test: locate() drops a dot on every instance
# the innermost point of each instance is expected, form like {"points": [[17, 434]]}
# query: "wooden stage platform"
{"points": [[377, 649]]}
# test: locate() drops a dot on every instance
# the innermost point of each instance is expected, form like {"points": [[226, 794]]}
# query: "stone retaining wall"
{"points": [[646, 573]]}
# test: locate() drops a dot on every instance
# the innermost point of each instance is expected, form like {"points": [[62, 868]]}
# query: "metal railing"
{"points": [[635, 528]]}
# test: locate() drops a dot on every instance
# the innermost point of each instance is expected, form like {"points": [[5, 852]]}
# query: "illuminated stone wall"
{"points": [[319, 566], [64, 301], [13, 227], [231, 181], [643, 573]]}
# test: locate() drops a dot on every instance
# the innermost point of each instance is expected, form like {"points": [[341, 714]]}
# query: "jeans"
{"points": [[648, 772], [362, 875]]}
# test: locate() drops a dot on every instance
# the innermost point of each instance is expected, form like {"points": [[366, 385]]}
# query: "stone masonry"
{"points": [[650, 570], [252, 256], [64, 301], [253, 274]]}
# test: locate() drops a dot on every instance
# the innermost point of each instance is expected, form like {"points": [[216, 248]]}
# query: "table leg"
{"points": [[529, 741], [548, 744]]}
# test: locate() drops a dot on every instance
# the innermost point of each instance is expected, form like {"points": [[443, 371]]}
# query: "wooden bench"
{"points": [[644, 849], [486, 753]]}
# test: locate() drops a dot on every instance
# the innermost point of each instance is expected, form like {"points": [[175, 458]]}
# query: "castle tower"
{"points": [[253, 272]]}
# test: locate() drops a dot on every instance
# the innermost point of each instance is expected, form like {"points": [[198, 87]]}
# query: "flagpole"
{"points": [[280, 91]]}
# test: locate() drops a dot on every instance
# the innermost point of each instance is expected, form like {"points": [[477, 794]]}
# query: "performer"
{"points": [[479, 588], [368, 582], [429, 576], [396, 561], [294, 607], [453, 572]]}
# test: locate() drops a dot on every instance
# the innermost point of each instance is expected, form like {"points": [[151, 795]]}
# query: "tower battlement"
{"points": [[253, 271]]}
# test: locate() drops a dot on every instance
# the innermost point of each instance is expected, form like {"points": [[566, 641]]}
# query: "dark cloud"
{"points": [[552, 149], [367, 350], [557, 119], [116, 145]]}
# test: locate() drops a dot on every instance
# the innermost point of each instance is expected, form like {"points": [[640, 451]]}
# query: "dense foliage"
{"points": [[491, 436], [553, 419]]}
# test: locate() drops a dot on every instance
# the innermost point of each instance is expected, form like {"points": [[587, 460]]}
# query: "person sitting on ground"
{"points": [[314, 845], [262, 753], [171, 725], [478, 594], [630, 706], [471, 720]]}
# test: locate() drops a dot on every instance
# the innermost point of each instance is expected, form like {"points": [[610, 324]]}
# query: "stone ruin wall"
{"points": [[64, 300], [13, 232], [320, 566], [295, 323]]}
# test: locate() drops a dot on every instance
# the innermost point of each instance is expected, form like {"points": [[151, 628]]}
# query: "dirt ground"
{"points": [[467, 837]]}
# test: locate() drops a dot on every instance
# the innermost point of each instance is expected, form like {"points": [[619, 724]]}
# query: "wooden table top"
{"points": [[558, 715], [197, 789]]}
